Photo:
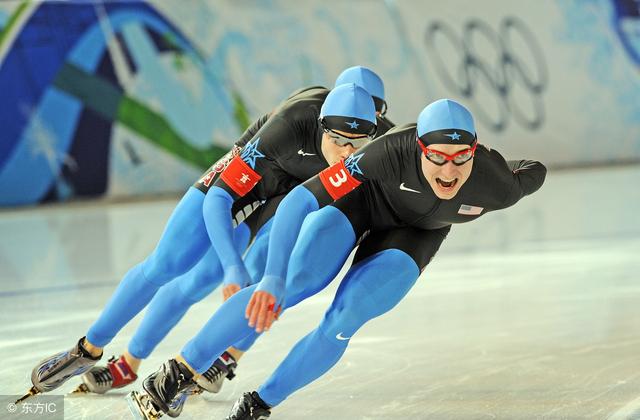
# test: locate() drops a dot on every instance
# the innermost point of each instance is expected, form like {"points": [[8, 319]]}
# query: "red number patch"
{"points": [[337, 180], [240, 177]]}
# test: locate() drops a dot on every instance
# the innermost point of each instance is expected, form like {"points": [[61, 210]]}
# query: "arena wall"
{"points": [[129, 98]]}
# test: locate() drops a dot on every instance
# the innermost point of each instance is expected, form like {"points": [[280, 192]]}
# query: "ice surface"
{"points": [[533, 312]]}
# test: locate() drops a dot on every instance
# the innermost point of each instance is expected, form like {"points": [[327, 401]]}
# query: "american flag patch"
{"points": [[470, 210]]}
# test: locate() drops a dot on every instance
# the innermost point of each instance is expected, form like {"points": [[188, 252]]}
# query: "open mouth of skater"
{"points": [[447, 166], [447, 185]]}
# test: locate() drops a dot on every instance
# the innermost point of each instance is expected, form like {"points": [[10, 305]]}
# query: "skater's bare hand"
{"points": [[230, 290], [260, 311]]}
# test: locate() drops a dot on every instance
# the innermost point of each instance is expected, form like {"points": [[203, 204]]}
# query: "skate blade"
{"points": [[176, 406], [33, 391], [81, 389], [141, 408]]}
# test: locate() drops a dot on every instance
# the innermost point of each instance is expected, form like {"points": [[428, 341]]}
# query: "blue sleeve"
{"points": [[217, 218], [284, 232]]}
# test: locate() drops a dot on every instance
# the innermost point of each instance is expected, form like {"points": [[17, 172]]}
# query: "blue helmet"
{"points": [[367, 79], [349, 108], [446, 121]]}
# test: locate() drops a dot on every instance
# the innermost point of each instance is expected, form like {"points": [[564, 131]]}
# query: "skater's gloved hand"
{"points": [[266, 303]]}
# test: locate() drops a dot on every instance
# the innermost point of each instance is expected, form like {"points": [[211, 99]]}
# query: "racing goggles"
{"points": [[366, 130], [439, 158]]}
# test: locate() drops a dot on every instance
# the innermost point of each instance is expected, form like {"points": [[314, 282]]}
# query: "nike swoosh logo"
{"points": [[300, 152], [341, 338], [403, 188]]}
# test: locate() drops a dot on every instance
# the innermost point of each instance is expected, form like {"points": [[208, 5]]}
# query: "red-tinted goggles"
{"points": [[440, 158]]}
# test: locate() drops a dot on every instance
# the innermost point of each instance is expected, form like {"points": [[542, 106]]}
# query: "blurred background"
{"points": [[110, 110], [130, 98]]}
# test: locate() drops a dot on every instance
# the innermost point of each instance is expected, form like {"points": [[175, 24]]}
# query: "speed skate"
{"points": [[143, 408]]}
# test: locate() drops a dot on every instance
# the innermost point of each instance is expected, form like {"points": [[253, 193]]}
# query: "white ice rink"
{"points": [[532, 312]]}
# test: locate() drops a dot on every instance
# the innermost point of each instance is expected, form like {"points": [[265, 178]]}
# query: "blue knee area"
{"points": [[325, 241], [183, 242], [255, 258], [227, 326], [369, 289]]}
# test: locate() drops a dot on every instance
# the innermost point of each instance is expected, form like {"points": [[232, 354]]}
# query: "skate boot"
{"points": [[177, 404], [168, 382], [100, 379], [144, 408], [53, 371], [249, 407], [213, 378]]}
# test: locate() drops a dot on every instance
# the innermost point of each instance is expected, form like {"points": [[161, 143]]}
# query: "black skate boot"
{"points": [[144, 408], [213, 378], [210, 381], [249, 407], [53, 371], [169, 381]]}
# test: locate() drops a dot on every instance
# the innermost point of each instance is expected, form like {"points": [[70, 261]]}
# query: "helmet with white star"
{"points": [[349, 108], [446, 121]]}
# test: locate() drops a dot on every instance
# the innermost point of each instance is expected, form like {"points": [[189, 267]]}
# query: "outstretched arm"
{"points": [[529, 175]]}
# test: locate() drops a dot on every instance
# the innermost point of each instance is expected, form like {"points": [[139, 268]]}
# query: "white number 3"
{"points": [[341, 178]]}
